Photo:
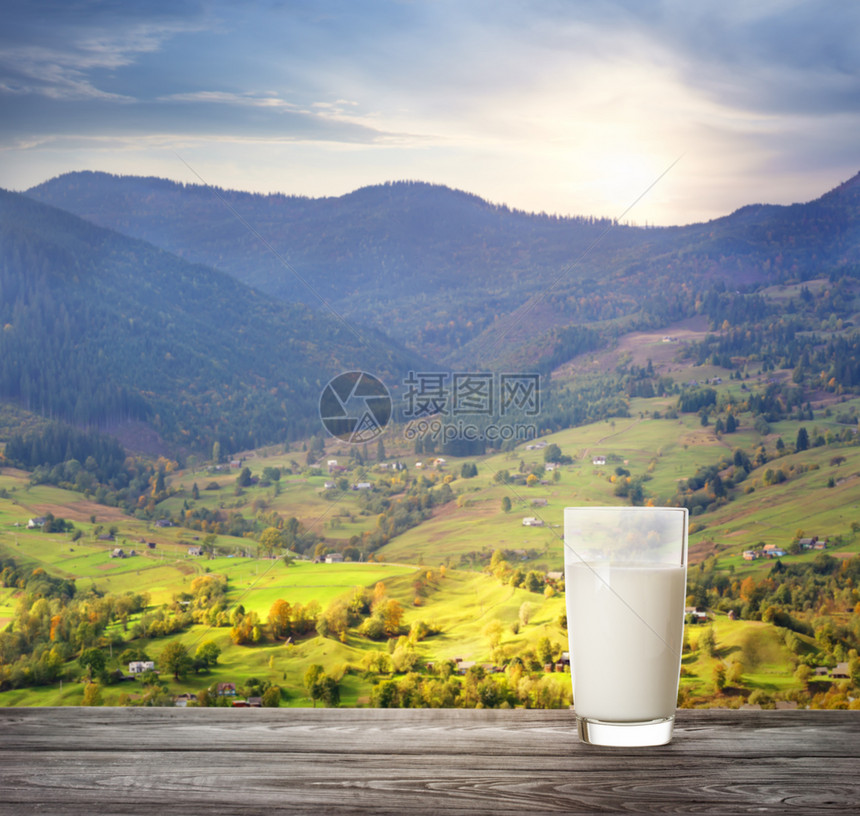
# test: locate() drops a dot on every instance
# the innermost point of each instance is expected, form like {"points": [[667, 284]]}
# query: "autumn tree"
{"points": [[719, 678], [246, 629], [272, 539], [392, 616], [92, 695], [279, 618]]}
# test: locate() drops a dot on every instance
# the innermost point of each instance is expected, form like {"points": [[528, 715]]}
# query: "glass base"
{"points": [[625, 734]]}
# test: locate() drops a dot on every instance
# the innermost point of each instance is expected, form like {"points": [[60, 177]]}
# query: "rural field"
{"points": [[412, 576]]}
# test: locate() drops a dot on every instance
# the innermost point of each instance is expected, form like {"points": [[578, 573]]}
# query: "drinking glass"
{"points": [[625, 584]]}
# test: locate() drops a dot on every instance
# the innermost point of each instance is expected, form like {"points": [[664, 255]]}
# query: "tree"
{"points": [[337, 619], [544, 650], [384, 694], [271, 697], [271, 474], [803, 674], [279, 618], [719, 677], [314, 676], [175, 658], [802, 442], [506, 504], [552, 453], [94, 661], [392, 616], [272, 539], [207, 654], [708, 642], [736, 673], [92, 695], [244, 477]]}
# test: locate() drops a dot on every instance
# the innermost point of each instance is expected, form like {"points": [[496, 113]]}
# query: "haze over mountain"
{"points": [[458, 278], [99, 328], [102, 327]]}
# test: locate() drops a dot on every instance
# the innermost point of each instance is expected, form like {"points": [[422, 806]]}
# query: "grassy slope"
{"points": [[667, 450]]}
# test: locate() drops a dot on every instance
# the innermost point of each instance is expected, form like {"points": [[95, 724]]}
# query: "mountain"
{"points": [[456, 277], [429, 265], [99, 329]]}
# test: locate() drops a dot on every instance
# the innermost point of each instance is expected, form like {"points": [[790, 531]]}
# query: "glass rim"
{"points": [[572, 513]]}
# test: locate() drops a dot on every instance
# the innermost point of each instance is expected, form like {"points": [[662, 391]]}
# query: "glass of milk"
{"points": [[625, 583]]}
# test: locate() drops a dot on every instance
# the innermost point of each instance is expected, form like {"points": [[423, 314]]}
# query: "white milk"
{"points": [[625, 651]]}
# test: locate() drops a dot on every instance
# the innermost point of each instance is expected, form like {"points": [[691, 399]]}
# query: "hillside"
{"points": [[472, 581], [100, 329], [458, 278]]}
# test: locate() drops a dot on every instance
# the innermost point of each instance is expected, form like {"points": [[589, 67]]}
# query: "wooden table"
{"points": [[167, 761]]}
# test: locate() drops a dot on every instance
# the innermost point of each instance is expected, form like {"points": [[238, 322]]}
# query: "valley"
{"points": [[169, 495]]}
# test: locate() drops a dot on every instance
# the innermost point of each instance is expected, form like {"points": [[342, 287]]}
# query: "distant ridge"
{"points": [[100, 328], [457, 278]]}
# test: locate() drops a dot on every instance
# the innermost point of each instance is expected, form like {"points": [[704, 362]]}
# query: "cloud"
{"points": [[61, 50], [568, 107]]}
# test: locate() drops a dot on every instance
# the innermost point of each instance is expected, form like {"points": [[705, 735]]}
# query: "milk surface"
{"points": [[626, 627]]}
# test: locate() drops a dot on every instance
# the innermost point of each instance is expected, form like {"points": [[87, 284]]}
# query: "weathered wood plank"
{"points": [[217, 761]]}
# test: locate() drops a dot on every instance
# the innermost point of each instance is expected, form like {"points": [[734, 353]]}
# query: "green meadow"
{"points": [[478, 617]]}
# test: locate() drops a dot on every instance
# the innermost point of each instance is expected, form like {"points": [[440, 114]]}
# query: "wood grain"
{"points": [[361, 761]]}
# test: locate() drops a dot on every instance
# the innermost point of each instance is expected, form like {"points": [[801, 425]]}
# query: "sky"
{"points": [[660, 112]]}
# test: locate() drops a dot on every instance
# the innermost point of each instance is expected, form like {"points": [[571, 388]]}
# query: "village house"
{"points": [[195, 551], [117, 553], [226, 690], [35, 523], [334, 558], [840, 671], [773, 551], [362, 486], [695, 615], [141, 666], [531, 521], [598, 461]]}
